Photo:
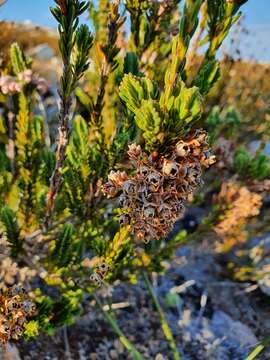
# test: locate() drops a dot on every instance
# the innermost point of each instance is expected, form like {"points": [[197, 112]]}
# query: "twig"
{"points": [[67, 347], [115, 306], [64, 134]]}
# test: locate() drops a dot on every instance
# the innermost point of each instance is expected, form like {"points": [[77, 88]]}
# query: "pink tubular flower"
{"points": [[25, 76], [9, 85]]}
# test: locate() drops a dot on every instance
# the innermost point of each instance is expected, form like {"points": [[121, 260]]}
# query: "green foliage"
{"points": [[83, 43], [131, 64], [47, 165], [18, 60], [56, 313], [99, 17], [134, 90], [185, 110], [227, 123], [80, 164], [62, 251], [222, 14], [256, 167], [67, 308], [207, 76], [141, 97], [148, 120], [67, 14], [31, 329], [22, 129], [84, 99], [12, 231]]}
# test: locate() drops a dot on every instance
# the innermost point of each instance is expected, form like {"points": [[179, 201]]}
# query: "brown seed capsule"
{"points": [[129, 187], [140, 235], [124, 201], [102, 270], [144, 170], [182, 149], [124, 219], [110, 189], [14, 313], [154, 181], [134, 151], [147, 239], [28, 306], [149, 212], [96, 279], [13, 303], [170, 168]]}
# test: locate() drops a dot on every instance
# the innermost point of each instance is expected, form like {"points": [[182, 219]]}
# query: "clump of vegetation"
{"points": [[97, 201]]}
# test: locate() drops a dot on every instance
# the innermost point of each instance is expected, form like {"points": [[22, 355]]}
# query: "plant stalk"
{"points": [[164, 324], [126, 343], [259, 348]]}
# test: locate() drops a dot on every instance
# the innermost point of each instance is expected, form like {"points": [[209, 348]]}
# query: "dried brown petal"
{"points": [[118, 178], [134, 151]]}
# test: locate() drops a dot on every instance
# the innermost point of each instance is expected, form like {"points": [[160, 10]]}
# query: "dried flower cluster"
{"points": [[153, 197], [11, 85], [239, 205], [99, 273], [15, 308]]}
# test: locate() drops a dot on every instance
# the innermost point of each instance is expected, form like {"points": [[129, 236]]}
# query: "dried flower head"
{"points": [[99, 273], [15, 309], [153, 196]]}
